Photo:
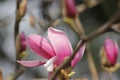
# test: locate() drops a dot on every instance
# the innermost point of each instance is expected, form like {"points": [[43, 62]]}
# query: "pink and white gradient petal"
{"points": [[49, 65], [40, 46], [31, 63], [60, 43], [78, 56]]}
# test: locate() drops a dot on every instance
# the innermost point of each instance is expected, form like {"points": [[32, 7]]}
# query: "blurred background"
{"points": [[91, 18]]}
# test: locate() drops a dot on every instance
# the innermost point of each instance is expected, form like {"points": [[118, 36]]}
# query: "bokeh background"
{"points": [[91, 19]]}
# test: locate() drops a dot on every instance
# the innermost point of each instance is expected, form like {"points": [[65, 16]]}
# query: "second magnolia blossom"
{"points": [[56, 48], [109, 53]]}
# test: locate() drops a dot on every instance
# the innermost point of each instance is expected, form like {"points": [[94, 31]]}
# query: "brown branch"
{"points": [[17, 18], [91, 63], [105, 27], [89, 56], [15, 74], [45, 4], [82, 7], [116, 28], [96, 33], [0, 75], [63, 8], [20, 12], [92, 3], [70, 79]]}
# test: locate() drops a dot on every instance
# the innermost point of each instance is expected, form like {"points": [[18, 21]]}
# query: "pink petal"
{"points": [[110, 51], [60, 43], [49, 75], [70, 8], [40, 46], [49, 64], [31, 63], [78, 56]]}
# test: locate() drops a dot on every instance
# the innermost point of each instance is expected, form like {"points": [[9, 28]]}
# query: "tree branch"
{"points": [[0, 74], [96, 33], [89, 55], [116, 28], [20, 12]]}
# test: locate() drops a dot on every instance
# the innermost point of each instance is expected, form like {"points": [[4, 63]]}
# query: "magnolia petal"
{"points": [[78, 56], [49, 75], [49, 64], [31, 63], [60, 43], [40, 46], [110, 51]]}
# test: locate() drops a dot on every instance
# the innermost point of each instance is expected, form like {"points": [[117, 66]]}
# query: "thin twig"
{"points": [[96, 33], [17, 18], [116, 28], [91, 64], [89, 56], [20, 12], [0, 75], [105, 27], [82, 7], [70, 79], [16, 74], [92, 3], [79, 26]]}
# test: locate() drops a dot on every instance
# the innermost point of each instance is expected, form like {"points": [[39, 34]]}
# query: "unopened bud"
{"points": [[22, 41], [109, 53], [22, 7], [70, 8], [111, 50]]}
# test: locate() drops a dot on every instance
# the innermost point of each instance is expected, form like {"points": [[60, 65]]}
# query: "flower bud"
{"points": [[22, 7], [111, 50], [70, 8], [22, 41], [109, 53]]}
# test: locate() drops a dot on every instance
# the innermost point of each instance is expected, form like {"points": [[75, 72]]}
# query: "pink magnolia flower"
{"points": [[70, 8], [56, 48], [22, 41], [111, 50]]}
